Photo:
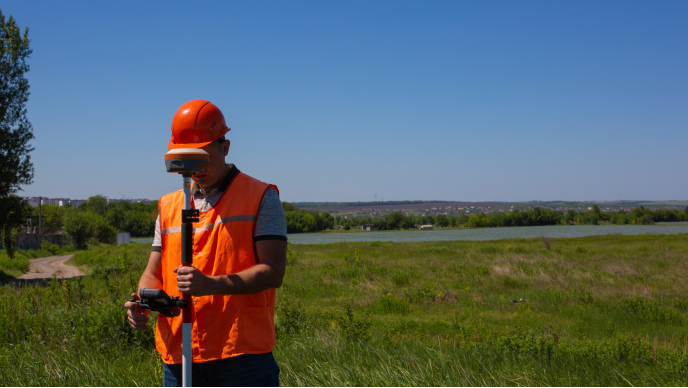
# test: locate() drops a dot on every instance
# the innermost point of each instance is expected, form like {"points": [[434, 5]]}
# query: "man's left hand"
{"points": [[194, 282]]}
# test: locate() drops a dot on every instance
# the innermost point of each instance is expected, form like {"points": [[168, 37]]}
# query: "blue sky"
{"points": [[339, 101]]}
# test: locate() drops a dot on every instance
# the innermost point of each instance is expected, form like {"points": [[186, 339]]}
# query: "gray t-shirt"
{"points": [[271, 224]]}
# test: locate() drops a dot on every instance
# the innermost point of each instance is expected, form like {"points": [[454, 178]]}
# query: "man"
{"points": [[240, 246]]}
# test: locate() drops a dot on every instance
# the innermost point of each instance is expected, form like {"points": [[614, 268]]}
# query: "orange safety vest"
{"points": [[222, 325]]}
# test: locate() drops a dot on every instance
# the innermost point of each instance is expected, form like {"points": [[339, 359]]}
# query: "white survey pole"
{"points": [[186, 161], [187, 357]]}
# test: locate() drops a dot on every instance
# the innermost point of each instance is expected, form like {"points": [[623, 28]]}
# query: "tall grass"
{"points": [[74, 332], [606, 310]]}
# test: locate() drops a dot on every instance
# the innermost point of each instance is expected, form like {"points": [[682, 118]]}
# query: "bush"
{"points": [[52, 248], [105, 233], [80, 226], [290, 318], [355, 329]]}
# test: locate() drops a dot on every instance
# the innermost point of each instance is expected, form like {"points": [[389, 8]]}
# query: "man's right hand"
{"points": [[138, 317]]}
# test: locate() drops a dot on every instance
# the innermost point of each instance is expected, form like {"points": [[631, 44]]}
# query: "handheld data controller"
{"points": [[155, 299]]}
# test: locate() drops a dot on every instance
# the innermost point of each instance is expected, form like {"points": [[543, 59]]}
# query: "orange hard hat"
{"points": [[196, 124]]}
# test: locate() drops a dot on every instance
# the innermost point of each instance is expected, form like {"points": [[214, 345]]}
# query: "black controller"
{"points": [[155, 299]]}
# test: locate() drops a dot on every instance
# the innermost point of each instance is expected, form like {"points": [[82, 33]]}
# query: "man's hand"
{"points": [[138, 317], [194, 282]]}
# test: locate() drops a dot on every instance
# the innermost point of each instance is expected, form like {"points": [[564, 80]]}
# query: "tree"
{"points": [[299, 222], [16, 168], [394, 220], [289, 207], [13, 213], [80, 226], [97, 204], [596, 209], [15, 129], [570, 216], [325, 221], [105, 232], [53, 217]]}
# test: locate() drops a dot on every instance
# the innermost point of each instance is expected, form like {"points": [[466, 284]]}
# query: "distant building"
{"points": [[123, 238], [131, 200], [368, 227], [77, 202], [34, 201], [426, 227], [29, 238]]}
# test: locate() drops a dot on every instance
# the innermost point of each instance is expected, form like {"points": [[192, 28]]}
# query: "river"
{"points": [[555, 231]]}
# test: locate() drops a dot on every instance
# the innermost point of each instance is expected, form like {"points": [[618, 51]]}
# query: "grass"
{"points": [[74, 332], [603, 310]]}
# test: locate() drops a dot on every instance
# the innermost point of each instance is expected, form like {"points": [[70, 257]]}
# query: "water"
{"points": [[555, 231]]}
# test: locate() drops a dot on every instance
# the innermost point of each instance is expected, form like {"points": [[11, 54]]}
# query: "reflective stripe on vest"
{"points": [[223, 325], [205, 228]]}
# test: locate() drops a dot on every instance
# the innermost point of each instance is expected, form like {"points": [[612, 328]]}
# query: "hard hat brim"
{"points": [[173, 146]]}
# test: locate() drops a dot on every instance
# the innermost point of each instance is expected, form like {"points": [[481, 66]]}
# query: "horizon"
{"points": [[392, 202]]}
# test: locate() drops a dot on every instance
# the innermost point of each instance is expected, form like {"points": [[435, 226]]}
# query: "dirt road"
{"points": [[45, 267]]}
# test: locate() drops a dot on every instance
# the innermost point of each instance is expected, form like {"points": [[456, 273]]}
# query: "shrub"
{"points": [[52, 248], [353, 257], [290, 318], [355, 329]]}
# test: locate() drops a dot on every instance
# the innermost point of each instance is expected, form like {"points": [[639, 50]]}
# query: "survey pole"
{"points": [[186, 161]]}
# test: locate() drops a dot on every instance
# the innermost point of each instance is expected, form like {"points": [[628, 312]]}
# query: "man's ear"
{"points": [[225, 147]]}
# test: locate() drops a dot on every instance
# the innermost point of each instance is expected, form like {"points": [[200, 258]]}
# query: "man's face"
{"points": [[213, 171]]}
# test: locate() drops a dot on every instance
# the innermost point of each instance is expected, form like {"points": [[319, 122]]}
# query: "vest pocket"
{"points": [[257, 329]]}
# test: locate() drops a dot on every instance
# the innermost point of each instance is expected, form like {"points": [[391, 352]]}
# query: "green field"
{"points": [[606, 310]]}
